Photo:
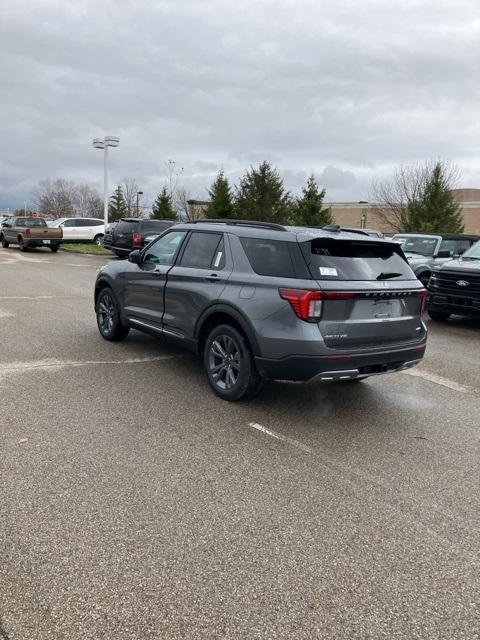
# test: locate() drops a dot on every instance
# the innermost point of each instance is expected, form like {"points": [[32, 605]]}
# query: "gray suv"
{"points": [[426, 251], [262, 301]]}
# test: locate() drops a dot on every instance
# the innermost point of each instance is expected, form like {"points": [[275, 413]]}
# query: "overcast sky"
{"points": [[347, 89]]}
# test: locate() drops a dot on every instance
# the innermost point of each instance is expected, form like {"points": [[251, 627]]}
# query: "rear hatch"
{"points": [[371, 297]]}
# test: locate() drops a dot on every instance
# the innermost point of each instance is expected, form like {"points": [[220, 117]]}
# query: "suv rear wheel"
{"points": [[5, 244], [108, 317], [229, 364]]}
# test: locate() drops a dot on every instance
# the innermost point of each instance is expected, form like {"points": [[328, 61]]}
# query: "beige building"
{"points": [[363, 214]]}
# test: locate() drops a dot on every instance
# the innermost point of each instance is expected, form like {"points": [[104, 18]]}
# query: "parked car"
{"points": [[133, 233], [370, 232], [263, 301], [425, 251], [454, 287], [80, 229], [30, 232]]}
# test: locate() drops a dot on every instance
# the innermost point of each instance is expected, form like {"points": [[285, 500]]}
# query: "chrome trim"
{"points": [[351, 374], [167, 332]]}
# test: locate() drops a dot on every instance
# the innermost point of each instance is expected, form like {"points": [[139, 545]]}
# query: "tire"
{"points": [[98, 240], [21, 244], [229, 364], [108, 317], [5, 244], [54, 248], [424, 278], [439, 316]]}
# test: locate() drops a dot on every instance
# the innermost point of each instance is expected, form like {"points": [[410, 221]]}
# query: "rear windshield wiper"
{"points": [[388, 274]]}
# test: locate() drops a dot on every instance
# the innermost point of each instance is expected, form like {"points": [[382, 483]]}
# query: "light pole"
{"points": [[139, 193], [98, 143]]}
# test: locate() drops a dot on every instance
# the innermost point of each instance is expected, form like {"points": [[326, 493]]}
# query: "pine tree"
{"points": [[308, 210], [262, 196], [221, 203], [436, 211], [162, 207], [117, 207]]}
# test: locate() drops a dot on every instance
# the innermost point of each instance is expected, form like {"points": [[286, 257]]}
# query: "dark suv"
{"points": [[262, 301], [128, 234]]}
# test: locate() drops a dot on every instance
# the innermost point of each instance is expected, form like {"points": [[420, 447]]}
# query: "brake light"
{"points": [[27, 232], [423, 293], [306, 304], [137, 239]]}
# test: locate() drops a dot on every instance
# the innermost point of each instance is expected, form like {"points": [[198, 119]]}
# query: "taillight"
{"points": [[306, 304], [137, 239], [423, 293], [27, 232]]}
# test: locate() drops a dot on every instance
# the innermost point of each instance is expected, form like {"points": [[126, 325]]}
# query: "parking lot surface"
{"points": [[135, 504]]}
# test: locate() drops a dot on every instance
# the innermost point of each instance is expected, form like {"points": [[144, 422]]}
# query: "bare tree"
{"points": [[55, 198], [88, 202], [394, 198], [130, 189]]}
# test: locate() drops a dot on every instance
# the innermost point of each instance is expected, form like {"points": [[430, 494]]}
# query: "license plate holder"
{"points": [[47, 242]]}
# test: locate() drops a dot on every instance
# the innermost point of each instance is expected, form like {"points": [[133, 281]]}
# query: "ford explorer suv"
{"points": [[259, 301], [425, 251], [30, 232], [454, 287]]}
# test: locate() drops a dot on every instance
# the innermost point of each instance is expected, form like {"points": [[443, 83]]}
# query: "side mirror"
{"points": [[444, 254], [135, 256]]}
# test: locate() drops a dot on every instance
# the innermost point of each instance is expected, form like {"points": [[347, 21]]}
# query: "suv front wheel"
{"points": [[108, 317], [229, 364]]}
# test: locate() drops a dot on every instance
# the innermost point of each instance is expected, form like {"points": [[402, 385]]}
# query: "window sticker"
{"points": [[328, 271], [218, 258]]}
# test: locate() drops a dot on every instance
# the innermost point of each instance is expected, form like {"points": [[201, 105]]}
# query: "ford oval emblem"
{"points": [[462, 283]]}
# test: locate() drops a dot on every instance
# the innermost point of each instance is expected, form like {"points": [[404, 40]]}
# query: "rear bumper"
{"points": [[339, 367]]}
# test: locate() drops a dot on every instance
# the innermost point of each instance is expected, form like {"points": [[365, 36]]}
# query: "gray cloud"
{"points": [[346, 90]]}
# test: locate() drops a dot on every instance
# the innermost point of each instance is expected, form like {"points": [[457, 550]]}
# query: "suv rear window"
{"points": [[269, 257], [155, 225], [355, 260]]}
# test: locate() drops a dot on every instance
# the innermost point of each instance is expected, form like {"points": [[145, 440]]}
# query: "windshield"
{"points": [[474, 252], [425, 246], [346, 260]]}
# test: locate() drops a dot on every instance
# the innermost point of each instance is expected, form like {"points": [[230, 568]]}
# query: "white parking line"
{"points": [[433, 377], [278, 436], [5, 314]]}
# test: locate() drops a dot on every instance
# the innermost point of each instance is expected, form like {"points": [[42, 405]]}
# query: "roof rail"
{"points": [[241, 223]]}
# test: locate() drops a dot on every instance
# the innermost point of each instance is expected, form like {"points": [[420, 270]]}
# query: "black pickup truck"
{"points": [[454, 287]]}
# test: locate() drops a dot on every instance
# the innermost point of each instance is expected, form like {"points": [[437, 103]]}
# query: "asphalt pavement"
{"points": [[135, 504]]}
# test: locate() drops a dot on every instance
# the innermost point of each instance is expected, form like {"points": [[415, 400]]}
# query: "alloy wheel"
{"points": [[106, 314], [224, 362]]}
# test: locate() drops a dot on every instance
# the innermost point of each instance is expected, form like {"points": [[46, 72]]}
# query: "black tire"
{"points": [[424, 278], [54, 248], [229, 364], [108, 317], [439, 316], [98, 240], [5, 244], [21, 244]]}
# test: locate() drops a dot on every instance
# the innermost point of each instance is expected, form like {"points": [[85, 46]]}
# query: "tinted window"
{"points": [[351, 260], [269, 257], [95, 223], [462, 246], [200, 250], [31, 222], [71, 223], [154, 225], [164, 250], [417, 244], [126, 227]]}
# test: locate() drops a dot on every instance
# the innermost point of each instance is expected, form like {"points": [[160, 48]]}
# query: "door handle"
{"points": [[213, 277]]}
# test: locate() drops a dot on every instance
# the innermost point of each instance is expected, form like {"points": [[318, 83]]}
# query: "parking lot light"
{"points": [[99, 143]]}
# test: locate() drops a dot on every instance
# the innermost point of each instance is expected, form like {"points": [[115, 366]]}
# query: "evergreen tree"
{"points": [[262, 196], [221, 204], [436, 210], [117, 207], [162, 207], [308, 209]]}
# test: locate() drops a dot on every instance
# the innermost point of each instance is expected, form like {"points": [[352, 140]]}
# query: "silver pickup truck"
{"points": [[425, 251]]}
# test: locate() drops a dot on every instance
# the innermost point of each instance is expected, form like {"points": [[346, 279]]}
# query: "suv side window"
{"points": [[95, 223], [165, 249], [269, 257], [462, 246], [70, 223], [201, 251]]}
